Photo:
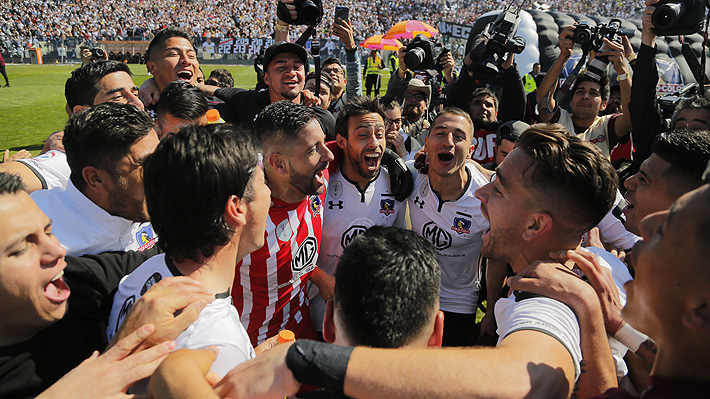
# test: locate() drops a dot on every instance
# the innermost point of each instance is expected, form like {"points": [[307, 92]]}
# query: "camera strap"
{"points": [[564, 89], [315, 51]]}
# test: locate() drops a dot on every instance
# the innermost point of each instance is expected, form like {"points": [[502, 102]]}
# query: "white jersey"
{"points": [[217, 325], [82, 227], [51, 168], [347, 212], [455, 229]]}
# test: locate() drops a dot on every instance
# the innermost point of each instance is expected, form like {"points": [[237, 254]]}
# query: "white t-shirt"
{"points": [[597, 133], [51, 168], [217, 325], [347, 212], [82, 227], [455, 229]]}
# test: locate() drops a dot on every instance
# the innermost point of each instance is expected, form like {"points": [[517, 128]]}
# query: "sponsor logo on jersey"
{"points": [[306, 254], [387, 206], [144, 235], [419, 202], [125, 308], [335, 190], [350, 234], [338, 204], [152, 280], [440, 238], [598, 139], [316, 205], [461, 225]]}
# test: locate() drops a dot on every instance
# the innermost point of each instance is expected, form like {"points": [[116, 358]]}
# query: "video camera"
{"points": [[420, 54], [499, 37], [310, 12], [592, 38], [673, 17], [669, 102]]}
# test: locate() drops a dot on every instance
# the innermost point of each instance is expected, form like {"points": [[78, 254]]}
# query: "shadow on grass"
{"points": [[31, 147]]}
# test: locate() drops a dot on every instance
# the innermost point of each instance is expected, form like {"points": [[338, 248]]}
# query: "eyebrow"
{"points": [[25, 237], [119, 89], [500, 177]]}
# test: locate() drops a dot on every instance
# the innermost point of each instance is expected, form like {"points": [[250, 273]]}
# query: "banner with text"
{"points": [[454, 30], [243, 45]]}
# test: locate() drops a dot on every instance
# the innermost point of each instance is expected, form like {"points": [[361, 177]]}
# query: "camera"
{"points": [[97, 53], [592, 38], [669, 102], [420, 54], [310, 12], [678, 17], [499, 37]]}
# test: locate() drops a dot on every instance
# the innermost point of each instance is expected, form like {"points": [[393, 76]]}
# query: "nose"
{"points": [[326, 155], [631, 182], [134, 100], [52, 251], [482, 193]]}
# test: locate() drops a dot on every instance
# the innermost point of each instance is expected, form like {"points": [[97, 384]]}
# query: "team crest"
{"points": [[335, 190], [387, 206], [598, 139], [316, 205], [461, 225], [424, 189], [144, 235]]}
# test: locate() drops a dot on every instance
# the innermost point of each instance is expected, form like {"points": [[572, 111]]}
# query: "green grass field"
{"points": [[33, 106]]}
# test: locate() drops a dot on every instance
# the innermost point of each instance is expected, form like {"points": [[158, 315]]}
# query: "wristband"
{"points": [[631, 57], [281, 28], [631, 338], [319, 364], [622, 77]]}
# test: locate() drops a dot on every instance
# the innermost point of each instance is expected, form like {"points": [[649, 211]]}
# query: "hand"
{"points": [[325, 283], [447, 64], [85, 56], [174, 295], [149, 93], [293, 12], [508, 62], [55, 141], [265, 376], [309, 98], [402, 71], [615, 52], [184, 373], [628, 49], [111, 374], [344, 31], [420, 161], [648, 36], [266, 345], [22, 154], [565, 41], [594, 239], [488, 324], [395, 140]]}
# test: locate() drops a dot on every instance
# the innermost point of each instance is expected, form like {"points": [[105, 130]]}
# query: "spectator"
{"points": [[397, 140], [506, 137], [180, 104], [347, 81], [373, 70], [3, 72], [326, 85], [220, 77]]}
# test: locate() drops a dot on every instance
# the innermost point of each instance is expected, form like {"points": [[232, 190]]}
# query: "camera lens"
{"points": [[309, 12], [582, 36], [414, 57], [666, 15]]}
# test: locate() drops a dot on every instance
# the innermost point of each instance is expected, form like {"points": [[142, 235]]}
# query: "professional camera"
{"points": [[592, 38], [310, 12], [500, 40], [682, 17], [420, 54], [97, 53], [669, 102]]}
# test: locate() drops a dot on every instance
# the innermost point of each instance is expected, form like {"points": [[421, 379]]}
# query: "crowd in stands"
{"points": [[25, 22]]}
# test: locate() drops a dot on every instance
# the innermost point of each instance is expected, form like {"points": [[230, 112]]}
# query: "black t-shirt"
{"points": [[28, 368]]}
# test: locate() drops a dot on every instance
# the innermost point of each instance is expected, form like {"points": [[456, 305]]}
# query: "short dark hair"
{"points": [[695, 102], [223, 77], [279, 124], [182, 100], [388, 105], [387, 287], [688, 152], [82, 86], [333, 60], [603, 83], [101, 135], [482, 91], [360, 105], [188, 180], [454, 111], [163, 35], [576, 180], [10, 183]]}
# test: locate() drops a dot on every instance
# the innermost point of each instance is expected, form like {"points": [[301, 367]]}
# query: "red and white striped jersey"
{"points": [[270, 284]]}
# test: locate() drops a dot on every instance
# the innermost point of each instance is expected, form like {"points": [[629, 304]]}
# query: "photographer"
{"points": [[645, 115], [589, 96]]}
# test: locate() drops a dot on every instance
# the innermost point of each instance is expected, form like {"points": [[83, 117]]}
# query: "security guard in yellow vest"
{"points": [[373, 66], [530, 79]]}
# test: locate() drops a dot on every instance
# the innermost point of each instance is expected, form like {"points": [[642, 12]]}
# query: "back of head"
{"points": [[82, 87], [162, 36], [10, 183], [223, 77], [101, 135], [604, 89], [390, 104], [387, 287], [688, 152], [182, 100], [573, 180], [360, 105], [278, 124], [188, 180]]}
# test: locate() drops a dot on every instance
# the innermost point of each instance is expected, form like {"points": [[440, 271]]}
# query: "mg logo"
{"points": [[350, 234], [306, 254], [440, 238]]}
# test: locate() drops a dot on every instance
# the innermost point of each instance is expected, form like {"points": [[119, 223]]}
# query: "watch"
{"points": [[622, 77]]}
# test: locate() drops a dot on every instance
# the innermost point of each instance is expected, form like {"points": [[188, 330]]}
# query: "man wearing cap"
{"points": [[326, 87], [414, 109], [506, 137]]}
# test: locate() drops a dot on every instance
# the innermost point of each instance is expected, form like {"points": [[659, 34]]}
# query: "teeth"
{"points": [[58, 276], [372, 155]]}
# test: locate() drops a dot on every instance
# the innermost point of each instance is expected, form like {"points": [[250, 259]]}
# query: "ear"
{"points": [[470, 150], [267, 79], [78, 108], [603, 106], [329, 323], [538, 224], [97, 180], [278, 163], [342, 141], [698, 317], [150, 66], [235, 212], [437, 336]]}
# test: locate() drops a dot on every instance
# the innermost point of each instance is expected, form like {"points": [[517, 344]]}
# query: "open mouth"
{"points": [[372, 160], [184, 75], [445, 157], [319, 177], [57, 290], [486, 237]]}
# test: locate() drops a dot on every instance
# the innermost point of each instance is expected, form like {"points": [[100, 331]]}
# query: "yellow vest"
{"points": [[529, 83], [373, 66]]}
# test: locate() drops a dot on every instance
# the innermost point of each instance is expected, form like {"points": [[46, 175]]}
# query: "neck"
{"points": [[681, 359], [276, 97], [351, 174], [285, 192], [216, 272], [337, 92], [524, 257], [451, 187], [584, 123]]}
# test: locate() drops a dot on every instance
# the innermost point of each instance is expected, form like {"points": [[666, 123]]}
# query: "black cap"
{"points": [[511, 130], [324, 77], [285, 47]]}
